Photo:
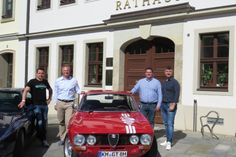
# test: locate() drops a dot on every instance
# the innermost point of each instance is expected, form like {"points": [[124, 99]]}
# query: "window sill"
{"points": [[87, 1], [43, 8], [213, 89], [97, 86], [5, 20], [62, 4], [66, 4]]}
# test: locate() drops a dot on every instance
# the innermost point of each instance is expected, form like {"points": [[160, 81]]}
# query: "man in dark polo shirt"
{"points": [[37, 88], [170, 93]]}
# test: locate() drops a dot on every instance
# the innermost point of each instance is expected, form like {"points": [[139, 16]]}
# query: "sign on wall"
{"points": [[127, 5]]}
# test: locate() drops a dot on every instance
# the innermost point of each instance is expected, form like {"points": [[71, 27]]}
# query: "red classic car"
{"points": [[109, 124]]}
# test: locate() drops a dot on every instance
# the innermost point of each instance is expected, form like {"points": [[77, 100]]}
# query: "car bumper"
{"points": [[93, 151]]}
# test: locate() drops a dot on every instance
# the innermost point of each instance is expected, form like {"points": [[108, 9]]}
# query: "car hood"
{"points": [[6, 122], [109, 122]]}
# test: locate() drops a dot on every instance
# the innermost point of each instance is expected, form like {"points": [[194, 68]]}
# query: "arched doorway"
{"points": [[156, 53], [6, 70]]}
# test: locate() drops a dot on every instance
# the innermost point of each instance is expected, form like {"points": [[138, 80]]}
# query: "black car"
{"points": [[16, 125]]}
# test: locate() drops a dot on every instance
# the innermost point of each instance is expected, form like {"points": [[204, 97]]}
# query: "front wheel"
{"points": [[68, 151], [20, 144], [153, 152]]}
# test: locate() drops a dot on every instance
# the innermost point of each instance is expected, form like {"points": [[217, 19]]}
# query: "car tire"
{"points": [[153, 152], [67, 149], [20, 144]]}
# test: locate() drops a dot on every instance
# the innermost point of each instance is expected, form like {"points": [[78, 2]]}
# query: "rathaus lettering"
{"points": [[128, 4]]}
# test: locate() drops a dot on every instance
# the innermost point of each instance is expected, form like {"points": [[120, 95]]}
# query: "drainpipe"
{"points": [[194, 115], [27, 40]]}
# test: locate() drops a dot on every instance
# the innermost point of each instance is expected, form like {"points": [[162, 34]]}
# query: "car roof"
{"points": [[91, 92], [12, 89]]}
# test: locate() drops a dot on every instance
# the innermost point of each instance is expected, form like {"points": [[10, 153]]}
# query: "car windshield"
{"points": [[107, 102], [9, 101]]}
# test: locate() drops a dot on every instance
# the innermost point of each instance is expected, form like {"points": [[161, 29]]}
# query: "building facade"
{"points": [[109, 43], [12, 23]]}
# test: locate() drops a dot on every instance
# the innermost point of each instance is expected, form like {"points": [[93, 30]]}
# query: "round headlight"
{"points": [[79, 140], [145, 139], [134, 139], [91, 140]]}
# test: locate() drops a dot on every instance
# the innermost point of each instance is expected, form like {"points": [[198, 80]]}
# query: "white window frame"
{"points": [[60, 56], [13, 12], [86, 50], [38, 4], [197, 51]]}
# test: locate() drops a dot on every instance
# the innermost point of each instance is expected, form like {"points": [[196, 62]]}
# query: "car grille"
{"points": [[103, 139]]}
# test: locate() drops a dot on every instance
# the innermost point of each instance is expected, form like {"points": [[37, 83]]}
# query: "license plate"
{"points": [[112, 154]]}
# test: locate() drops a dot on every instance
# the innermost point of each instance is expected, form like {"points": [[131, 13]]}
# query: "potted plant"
{"points": [[222, 79], [206, 75]]}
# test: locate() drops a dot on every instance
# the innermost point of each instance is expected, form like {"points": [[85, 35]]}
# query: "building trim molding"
{"points": [[6, 37], [155, 12], [180, 13]]}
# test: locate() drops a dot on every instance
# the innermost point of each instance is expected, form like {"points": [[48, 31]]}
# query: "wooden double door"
{"points": [[157, 54]]}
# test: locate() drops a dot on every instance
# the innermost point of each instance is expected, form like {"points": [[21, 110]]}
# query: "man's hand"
{"points": [[172, 106], [130, 92], [55, 107], [21, 104], [48, 101], [158, 108]]}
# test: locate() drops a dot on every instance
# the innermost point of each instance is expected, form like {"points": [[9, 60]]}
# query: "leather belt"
{"points": [[65, 100]]}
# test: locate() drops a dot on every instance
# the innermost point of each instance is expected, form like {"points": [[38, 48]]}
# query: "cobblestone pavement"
{"points": [[186, 144], [189, 144]]}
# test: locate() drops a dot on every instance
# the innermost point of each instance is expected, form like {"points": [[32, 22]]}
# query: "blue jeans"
{"points": [[148, 110], [168, 120], [41, 116]]}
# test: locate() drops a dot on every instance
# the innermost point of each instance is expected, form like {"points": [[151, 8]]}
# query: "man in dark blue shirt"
{"points": [[170, 93]]}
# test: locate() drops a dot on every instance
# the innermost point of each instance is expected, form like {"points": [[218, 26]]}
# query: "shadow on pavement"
{"points": [[35, 148], [52, 133], [178, 135], [158, 153]]}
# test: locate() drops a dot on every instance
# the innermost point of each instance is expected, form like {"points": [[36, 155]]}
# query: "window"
{"points": [[42, 56], [109, 62], [7, 9], [109, 71], [67, 55], [138, 47], [163, 45], [95, 61], [107, 102], [9, 101], [43, 4], [10, 70], [109, 74], [214, 60], [6, 70], [65, 2]]}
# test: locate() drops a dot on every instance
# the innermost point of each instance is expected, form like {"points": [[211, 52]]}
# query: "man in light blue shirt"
{"points": [[150, 95], [66, 88]]}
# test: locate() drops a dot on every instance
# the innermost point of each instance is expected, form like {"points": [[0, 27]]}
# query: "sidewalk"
{"points": [[192, 144], [186, 144]]}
